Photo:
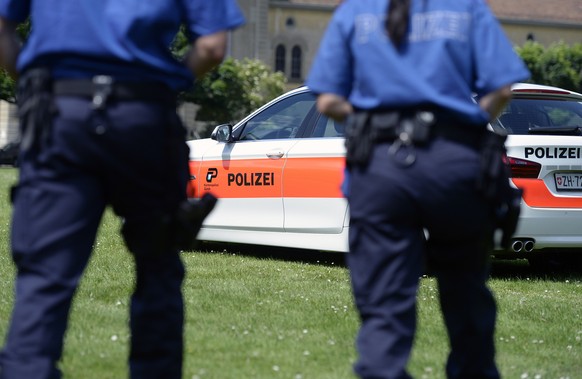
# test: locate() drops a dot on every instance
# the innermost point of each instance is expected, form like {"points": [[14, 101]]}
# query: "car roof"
{"points": [[535, 90], [518, 89]]}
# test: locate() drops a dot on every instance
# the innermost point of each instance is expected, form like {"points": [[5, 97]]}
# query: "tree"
{"points": [[7, 87], [233, 89], [560, 68], [531, 52], [559, 65], [7, 84]]}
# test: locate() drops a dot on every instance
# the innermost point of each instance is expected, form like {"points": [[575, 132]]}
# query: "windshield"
{"points": [[540, 116]]}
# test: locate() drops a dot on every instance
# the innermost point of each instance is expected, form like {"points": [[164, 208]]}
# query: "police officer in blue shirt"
{"points": [[426, 180], [97, 105]]}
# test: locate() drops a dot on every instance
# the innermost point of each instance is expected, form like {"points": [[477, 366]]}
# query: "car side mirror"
{"points": [[222, 133]]}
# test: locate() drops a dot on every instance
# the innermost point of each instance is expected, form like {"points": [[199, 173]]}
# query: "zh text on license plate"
{"points": [[568, 181]]}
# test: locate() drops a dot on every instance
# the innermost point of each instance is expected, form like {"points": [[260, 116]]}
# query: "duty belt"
{"points": [[452, 130], [104, 88], [406, 129]]}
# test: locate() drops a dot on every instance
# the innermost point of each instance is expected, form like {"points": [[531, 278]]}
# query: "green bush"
{"points": [[557, 65], [234, 89]]}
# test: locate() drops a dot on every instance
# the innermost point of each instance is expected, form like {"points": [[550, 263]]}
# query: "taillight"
{"points": [[521, 168]]}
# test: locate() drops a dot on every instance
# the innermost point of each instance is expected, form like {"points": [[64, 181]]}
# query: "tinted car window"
{"points": [[281, 120], [327, 127], [528, 116]]}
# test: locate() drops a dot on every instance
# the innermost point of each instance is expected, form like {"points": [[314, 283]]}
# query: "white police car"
{"points": [[544, 151], [278, 174]]}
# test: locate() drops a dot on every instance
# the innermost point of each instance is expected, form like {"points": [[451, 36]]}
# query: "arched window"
{"points": [[280, 58], [296, 62]]}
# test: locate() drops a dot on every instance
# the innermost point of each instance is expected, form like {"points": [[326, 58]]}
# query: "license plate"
{"points": [[568, 181]]}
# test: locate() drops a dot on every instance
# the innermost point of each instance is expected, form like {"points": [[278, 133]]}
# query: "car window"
{"points": [[327, 127], [281, 120], [522, 116]]}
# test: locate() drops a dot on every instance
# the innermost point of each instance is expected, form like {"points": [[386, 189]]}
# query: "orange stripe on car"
{"points": [[536, 194], [314, 177], [260, 178]]}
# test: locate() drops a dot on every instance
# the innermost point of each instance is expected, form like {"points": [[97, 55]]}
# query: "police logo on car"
{"points": [[211, 174]]}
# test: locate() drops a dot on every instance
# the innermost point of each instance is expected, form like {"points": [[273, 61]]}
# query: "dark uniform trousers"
{"points": [[390, 205], [131, 156]]}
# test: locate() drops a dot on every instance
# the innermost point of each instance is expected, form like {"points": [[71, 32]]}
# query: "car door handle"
{"points": [[275, 154]]}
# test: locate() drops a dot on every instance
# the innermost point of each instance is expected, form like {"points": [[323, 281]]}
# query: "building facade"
{"points": [[8, 123], [285, 34], [543, 21]]}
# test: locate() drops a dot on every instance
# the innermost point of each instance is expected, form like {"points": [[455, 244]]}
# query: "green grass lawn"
{"points": [[269, 315]]}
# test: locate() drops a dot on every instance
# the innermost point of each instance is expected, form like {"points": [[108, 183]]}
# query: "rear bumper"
{"points": [[548, 228]]}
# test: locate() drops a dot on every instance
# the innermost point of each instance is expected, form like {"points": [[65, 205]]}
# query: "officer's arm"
{"points": [[493, 103], [9, 46], [206, 53], [334, 106]]}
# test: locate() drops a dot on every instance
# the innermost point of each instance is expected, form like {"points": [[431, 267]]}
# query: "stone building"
{"points": [[8, 123], [543, 21], [285, 34]]}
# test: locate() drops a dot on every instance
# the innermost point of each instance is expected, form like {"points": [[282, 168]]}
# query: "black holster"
{"points": [[176, 231], [36, 108], [494, 185], [189, 218], [359, 140]]}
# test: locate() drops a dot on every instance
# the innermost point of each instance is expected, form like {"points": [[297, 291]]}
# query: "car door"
{"points": [[313, 174], [247, 174]]}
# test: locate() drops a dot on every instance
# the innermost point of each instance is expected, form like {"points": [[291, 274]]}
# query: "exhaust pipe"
{"points": [[516, 246], [528, 246], [523, 244]]}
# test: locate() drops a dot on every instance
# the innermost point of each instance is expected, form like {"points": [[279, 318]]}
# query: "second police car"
{"points": [[278, 174]]}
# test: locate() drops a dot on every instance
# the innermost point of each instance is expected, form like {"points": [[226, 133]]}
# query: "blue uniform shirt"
{"points": [[127, 39], [454, 49]]}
